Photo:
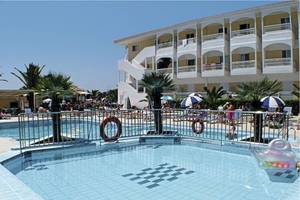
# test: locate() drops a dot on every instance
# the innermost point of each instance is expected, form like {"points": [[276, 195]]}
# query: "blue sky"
{"points": [[76, 38]]}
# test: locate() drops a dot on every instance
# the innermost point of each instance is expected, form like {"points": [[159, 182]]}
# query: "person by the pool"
{"points": [[230, 117]]}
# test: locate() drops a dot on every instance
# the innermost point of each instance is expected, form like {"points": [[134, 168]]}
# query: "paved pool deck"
{"points": [[7, 144], [11, 188], [12, 119]]}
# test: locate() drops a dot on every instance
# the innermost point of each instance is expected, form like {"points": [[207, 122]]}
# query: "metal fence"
{"points": [[64, 128]]}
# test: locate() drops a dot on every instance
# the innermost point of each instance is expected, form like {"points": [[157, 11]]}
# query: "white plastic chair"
{"points": [[287, 110], [27, 111]]}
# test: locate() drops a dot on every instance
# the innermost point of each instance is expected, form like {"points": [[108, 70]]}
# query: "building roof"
{"points": [[9, 93], [140, 36]]}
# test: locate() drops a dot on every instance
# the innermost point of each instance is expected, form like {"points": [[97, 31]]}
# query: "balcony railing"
{"points": [[188, 41], [164, 44], [132, 84], [165, 70], [243, 64], [213, 36], [212, 66], [242, 32], [277, 62], [277, 27], [190, 68]]}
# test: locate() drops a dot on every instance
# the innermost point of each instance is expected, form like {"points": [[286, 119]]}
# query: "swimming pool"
{"points": [[153, 172]]}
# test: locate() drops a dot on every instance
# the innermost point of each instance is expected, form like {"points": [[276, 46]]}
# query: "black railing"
{"points": [[65, 128]]}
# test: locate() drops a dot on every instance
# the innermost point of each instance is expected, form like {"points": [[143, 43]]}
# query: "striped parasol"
{"points": [[190, 100], [195, 94], [272, 102]]}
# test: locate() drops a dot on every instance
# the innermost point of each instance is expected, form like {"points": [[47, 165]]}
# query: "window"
{"points": [[285, 20], [220, 30], [134, 47], [244, 26], [220, 59], [245, 57], [286, 53], [191, 35], [191, 62]]}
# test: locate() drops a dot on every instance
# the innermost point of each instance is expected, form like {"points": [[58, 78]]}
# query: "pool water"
{"points": [[156, 172]]}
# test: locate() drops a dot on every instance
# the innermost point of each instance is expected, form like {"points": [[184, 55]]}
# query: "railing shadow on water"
{"points": [[65, 128]]}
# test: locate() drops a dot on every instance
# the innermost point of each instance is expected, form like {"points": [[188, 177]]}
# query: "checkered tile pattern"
{"points": [[285, 174], [153, 177]]}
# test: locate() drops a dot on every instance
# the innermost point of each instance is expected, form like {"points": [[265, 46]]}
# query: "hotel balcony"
{"points": [[187, 67], [187, 42], [165, 45], [243, 33], [165, 70], [276, 27], [213, 64], [213, 37], [165, 65], [243, 61], [277, 59]]}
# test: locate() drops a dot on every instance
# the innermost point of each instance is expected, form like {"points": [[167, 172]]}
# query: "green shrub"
{"points": [[294, 103]]}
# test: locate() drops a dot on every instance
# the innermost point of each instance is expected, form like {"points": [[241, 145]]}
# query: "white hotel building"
{"points": [[222, 50]]}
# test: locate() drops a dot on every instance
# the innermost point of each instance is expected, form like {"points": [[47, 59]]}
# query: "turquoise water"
{"points": [[158, 172]]}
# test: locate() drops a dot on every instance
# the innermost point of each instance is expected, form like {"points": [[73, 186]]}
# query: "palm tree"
{"points": [[213, 96], [155, 84], [112, 95], [254, 91], [95, 94], [31, 77], [57, 85], [296, 91], [56, 81], [2, 79]]}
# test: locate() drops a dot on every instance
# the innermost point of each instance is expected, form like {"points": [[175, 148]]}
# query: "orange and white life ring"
{"points": [[195, 130], [117, 134]]}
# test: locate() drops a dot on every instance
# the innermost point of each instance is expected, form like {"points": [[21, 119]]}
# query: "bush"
{"points": [[294, 103]]}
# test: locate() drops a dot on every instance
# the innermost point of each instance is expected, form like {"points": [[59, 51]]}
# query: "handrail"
{"points": [[277, 27], [212, 66], [165, 70], [165, 44], [277, 62], [213, 36], [190, 68], [243, 64], [242, 32], [187, 41]]}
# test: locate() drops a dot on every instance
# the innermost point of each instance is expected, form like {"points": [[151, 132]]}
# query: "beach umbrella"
{"points": [[272, 102], [195, 94], [48, 100], [166, 98], [190, 100]]}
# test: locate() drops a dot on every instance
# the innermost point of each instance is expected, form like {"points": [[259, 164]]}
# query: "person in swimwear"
{"points": [[230, 118]]}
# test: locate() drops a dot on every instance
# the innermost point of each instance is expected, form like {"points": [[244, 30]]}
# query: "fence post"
{"points": [[258, 126], [287, 121], [20, 136]]}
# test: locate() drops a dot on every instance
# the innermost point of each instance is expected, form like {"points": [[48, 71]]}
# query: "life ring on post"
{"points": [[117, 134], [195, 130]]}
